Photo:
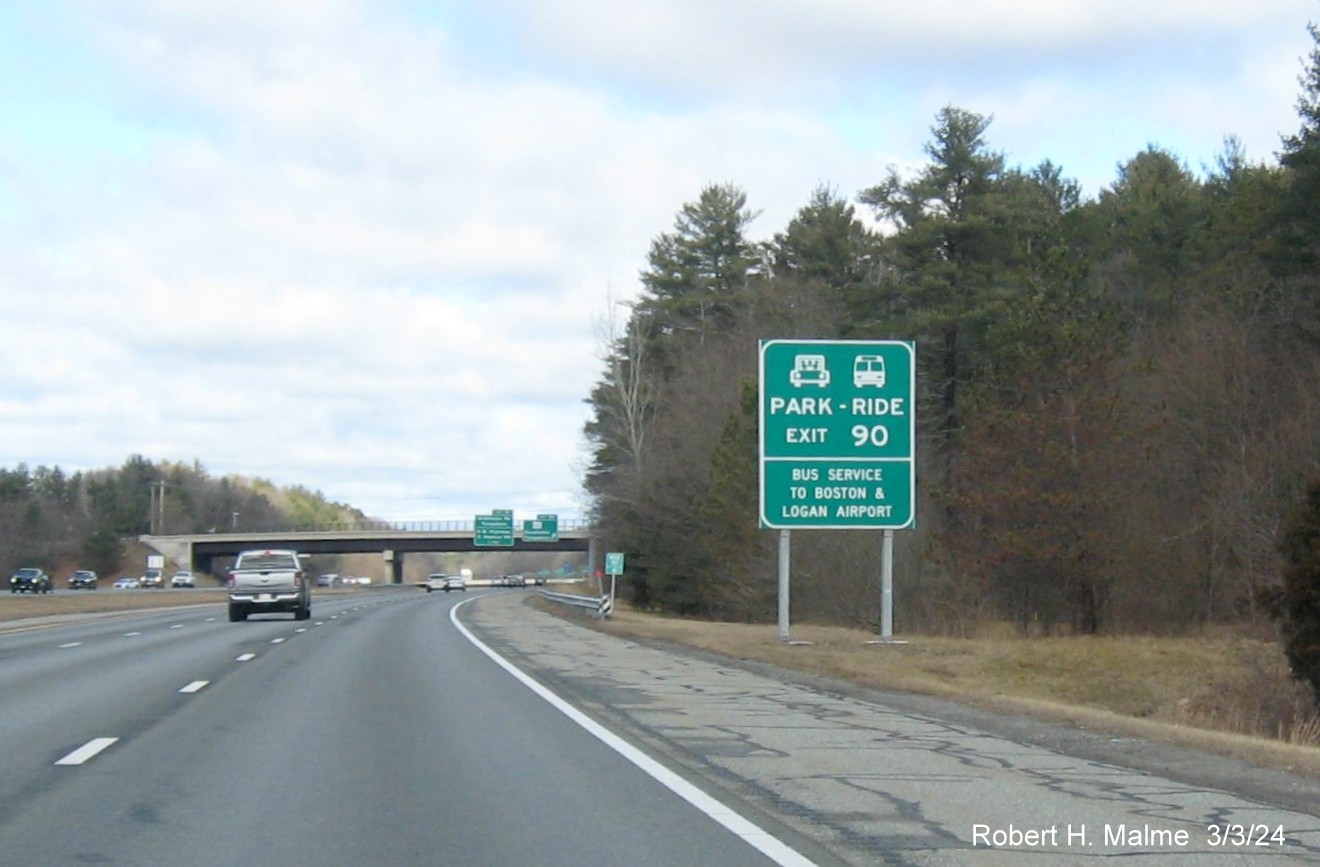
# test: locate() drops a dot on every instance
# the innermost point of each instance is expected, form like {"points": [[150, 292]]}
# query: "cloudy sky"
{"points": [[366, 246]]}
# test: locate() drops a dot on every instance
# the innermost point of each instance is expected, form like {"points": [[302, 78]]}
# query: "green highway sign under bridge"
{"points": [[837, 434]]}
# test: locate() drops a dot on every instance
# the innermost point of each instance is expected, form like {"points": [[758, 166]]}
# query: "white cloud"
{"points": [[769, 46], [363, 252]]}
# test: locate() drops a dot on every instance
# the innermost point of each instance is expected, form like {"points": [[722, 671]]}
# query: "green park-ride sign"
{"points": [[838, 434]]}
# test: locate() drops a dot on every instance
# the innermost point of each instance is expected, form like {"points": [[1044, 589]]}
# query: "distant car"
{"points": [[152, 578], [327, 580], [29, 579], [83, 579], [455, 582], [183, 578], [127, 584]]}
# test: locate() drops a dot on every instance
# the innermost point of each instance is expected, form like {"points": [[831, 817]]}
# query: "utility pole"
{"points": [[159, 529]]}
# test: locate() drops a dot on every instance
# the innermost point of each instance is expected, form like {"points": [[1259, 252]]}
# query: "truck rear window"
{"points": [[269, 562]]}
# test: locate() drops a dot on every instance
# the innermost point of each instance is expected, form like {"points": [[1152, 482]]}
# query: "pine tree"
{"points": [[699, 273], [1300, 208], [1300, 601]]}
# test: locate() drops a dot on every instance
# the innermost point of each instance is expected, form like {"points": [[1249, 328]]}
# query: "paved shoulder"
{"points": [[903, 779]]}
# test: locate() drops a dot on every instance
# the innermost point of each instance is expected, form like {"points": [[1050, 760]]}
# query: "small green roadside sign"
{"points": [[837, 434], [614, 563]]}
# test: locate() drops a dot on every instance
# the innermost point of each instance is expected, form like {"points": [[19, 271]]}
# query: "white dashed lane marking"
{"points": [[96, 746], [86, 751]]}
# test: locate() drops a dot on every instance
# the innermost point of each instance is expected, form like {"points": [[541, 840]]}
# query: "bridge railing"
{"points": [[385, 527]]}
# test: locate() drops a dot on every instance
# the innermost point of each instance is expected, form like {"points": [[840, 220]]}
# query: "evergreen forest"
{"points": [[1119, 395], [61, 521]]}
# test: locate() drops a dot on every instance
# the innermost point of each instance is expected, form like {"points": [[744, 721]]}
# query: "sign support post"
{"points": [[784, 549], [887, 587]]}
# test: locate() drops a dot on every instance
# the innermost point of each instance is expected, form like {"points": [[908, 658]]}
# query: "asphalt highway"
{"points": [[404, 728], [375, 733]]}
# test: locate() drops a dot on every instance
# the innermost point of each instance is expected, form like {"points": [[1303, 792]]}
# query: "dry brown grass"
{"points": [[1231, 695], [21, 606]]}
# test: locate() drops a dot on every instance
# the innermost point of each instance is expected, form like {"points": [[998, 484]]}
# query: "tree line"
{"points": [[1118, 401], [53, 519]]}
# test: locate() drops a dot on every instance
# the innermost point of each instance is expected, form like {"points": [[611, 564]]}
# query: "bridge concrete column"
{"points": [[394, 566], [178, 549]]}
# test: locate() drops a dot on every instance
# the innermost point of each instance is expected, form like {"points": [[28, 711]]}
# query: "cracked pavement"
{"points": [[852, 776]]}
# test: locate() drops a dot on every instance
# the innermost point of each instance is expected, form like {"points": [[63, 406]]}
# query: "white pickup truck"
{"points": [[270, 580]]}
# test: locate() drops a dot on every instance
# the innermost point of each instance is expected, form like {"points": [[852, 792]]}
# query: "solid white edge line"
{"points": [[195, 686], [86, 751], [751, 833]]}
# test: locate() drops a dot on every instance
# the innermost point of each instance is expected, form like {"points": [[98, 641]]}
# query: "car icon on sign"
{"points": [[809, 370]]}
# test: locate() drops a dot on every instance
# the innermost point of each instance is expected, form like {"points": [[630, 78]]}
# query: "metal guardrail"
{"points": [[600, 605]]}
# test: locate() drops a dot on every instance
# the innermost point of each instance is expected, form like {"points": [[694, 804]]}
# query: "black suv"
{"points": [[83, 579], [29, 579]]}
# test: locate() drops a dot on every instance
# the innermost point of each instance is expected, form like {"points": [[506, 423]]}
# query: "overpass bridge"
{"points": [[199, 551]]}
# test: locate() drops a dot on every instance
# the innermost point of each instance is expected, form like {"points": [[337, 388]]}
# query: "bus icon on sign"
{"points": [[809, 370], [869, 370]]}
